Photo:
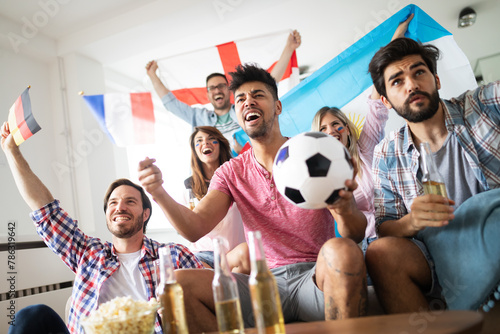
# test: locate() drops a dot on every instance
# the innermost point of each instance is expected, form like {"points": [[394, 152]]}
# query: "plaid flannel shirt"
{"points": [[473, 117], [93, 261]]}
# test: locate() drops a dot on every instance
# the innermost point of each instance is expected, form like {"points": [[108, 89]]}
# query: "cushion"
{"points": [[466, 252]]}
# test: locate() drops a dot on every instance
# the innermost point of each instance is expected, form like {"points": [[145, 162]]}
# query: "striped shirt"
{"points": [[473, 117], [93, 261]]}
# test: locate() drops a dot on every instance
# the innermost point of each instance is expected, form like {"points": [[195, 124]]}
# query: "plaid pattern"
{"points": [[473, 117], [93, 261]]}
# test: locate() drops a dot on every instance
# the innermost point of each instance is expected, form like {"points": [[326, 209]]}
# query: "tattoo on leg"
{"points": [[331, 310], [352, 274], [363, 300], [328, 262]]}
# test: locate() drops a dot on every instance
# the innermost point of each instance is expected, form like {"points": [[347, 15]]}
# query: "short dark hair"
{"points": [[216, 74], [252, 72], [395, 51], [146, 203]]}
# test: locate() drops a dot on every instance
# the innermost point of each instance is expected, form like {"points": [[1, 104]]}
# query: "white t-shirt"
{"points": [[127, 280], [230, 228]]}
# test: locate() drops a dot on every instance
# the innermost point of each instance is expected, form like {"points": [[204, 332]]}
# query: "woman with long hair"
{"points": [[334, 122], [209, 150]]}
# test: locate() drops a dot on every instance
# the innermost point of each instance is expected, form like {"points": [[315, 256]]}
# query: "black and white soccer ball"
{"points": [[311, 168]]}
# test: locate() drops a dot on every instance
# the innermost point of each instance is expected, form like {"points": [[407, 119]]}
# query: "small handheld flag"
{"points": [[22, 123], [127, 118]]}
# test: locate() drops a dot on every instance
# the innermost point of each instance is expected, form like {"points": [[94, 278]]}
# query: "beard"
{"points": [[124, 232], [262, 130], [226, 105], [423, 113]]}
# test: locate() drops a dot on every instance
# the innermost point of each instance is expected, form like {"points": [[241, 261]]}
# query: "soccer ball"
{"points": [[311, 168]]}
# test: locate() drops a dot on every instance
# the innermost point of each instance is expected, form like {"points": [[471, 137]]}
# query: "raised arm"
{"points": [[31, 188], [292, 43], [377, 116], [159, 87], [192, 225], [400, 32]]}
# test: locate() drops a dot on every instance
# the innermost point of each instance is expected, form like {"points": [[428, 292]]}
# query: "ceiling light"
{"points": [[467, 17]]}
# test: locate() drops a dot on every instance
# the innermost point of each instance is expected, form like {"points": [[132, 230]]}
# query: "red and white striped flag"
{"points": [[185, 74]]}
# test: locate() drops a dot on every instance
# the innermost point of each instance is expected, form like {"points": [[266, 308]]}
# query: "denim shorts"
{"points": [[206, 257], [301, 299], [364, 247], [435, 290]]}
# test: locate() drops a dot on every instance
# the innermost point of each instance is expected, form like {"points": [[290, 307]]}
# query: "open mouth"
{"points": [[417, 98], [207, 151], [218, 98], [252, 116]]}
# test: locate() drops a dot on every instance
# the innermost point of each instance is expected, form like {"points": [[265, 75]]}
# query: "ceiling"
{"points": [[124, 34]]}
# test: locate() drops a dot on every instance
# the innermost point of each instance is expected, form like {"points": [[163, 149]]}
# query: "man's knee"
{"points": [[194, 279], [340, 250], [396, 257], [37, 311], [386, 250], [339, 255]]}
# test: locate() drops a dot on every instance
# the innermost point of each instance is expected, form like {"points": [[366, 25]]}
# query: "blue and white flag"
{"points": [[345, 83]]}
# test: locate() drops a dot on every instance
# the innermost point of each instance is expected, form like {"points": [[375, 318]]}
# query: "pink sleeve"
{"points": [[373, 129]]}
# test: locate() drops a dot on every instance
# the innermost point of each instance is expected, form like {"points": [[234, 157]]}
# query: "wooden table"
{"points": [[442, 322]]}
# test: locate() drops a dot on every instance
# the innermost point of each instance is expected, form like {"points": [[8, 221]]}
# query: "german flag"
{"points": [[22, 123]]}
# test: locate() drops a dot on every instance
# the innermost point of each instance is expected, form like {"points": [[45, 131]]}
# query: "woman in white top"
{"points": [[209, 150]]}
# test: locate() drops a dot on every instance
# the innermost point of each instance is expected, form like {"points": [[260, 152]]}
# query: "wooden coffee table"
{"points": [[442, 322]]}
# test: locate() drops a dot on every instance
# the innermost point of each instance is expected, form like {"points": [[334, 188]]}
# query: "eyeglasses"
{"points": [[219, 87]]}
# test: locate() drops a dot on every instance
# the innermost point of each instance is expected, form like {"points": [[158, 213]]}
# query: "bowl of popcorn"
{"points": [[122, 315]]}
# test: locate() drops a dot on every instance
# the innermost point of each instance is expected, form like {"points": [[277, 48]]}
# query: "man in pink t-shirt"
{"points": [[319, 276]]}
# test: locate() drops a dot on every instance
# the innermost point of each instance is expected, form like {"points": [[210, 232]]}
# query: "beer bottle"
{"points": [[264, 293], [171, 297], [432, 180], [225, 289]]}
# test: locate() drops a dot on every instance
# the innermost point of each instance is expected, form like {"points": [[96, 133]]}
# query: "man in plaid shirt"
{"points": [[429, 249], [103, 270]]}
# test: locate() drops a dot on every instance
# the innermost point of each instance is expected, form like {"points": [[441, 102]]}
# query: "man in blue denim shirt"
{"points": [[223, 117], [420, 254]]}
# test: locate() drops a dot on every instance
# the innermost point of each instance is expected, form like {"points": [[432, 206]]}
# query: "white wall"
{"points": [[17, 72]]}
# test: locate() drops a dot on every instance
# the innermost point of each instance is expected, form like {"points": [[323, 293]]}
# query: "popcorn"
{"points": [[122, 315]]}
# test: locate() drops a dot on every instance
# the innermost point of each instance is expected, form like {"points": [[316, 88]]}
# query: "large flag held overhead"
{"points": [[185, 74], [344, 82], [127, 118], [22, 123]]}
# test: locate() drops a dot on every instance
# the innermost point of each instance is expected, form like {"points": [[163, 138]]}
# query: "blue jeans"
{"points": [[206, 256], [38, 319]]}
